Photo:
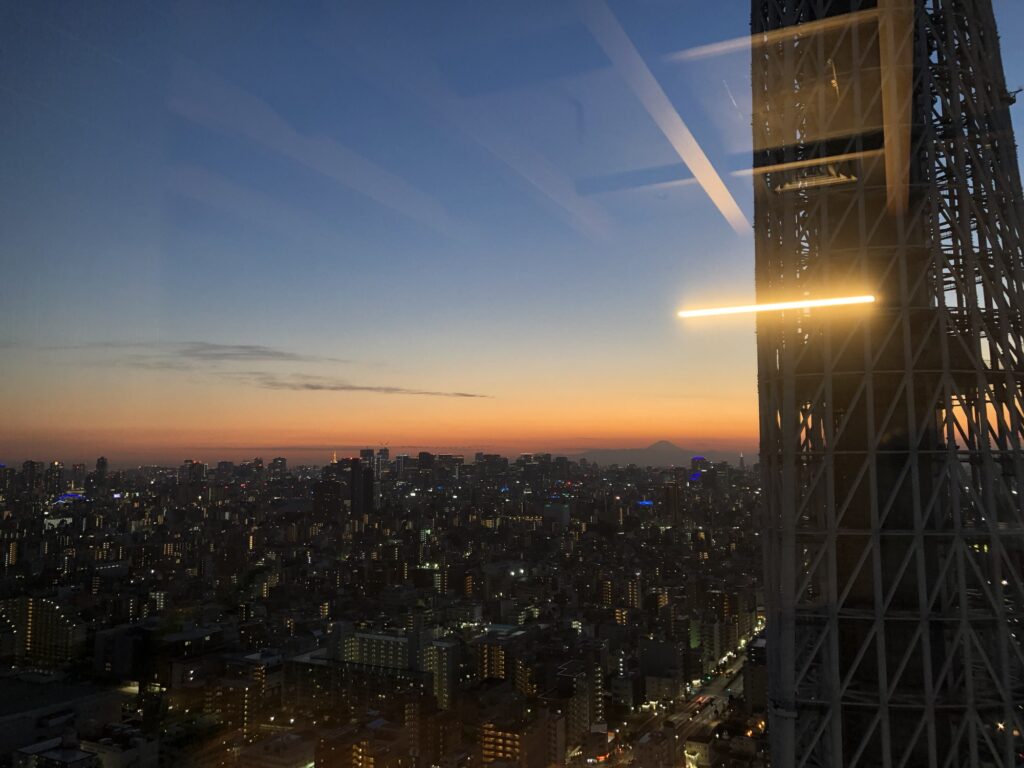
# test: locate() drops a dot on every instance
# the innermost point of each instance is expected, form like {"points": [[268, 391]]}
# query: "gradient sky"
{"points": [[282, 228]]}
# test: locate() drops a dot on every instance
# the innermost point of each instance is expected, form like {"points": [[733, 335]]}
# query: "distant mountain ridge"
{"points": [[659, 454]]}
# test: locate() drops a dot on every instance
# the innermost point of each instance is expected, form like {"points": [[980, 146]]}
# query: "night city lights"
{"points": [[345, 421]]}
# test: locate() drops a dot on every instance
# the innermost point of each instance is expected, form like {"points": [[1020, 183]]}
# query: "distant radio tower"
{"points": [[891, 433]]}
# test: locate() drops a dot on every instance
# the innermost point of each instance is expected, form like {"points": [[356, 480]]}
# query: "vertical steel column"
{"points": [[891, 439]]}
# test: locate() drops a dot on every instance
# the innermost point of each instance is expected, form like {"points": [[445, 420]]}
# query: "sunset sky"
{"points": [[284, 229]]}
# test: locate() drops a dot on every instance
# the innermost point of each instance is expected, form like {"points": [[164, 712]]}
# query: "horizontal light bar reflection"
{"points": [[778, 306]]}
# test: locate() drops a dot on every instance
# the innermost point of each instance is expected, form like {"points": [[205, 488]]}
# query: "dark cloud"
{"points": [[303, 383], [204, 351], [148, 363], [195, 354], [223, 361]]}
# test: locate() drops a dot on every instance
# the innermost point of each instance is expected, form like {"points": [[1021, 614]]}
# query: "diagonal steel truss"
{"points": [[890, 439]]}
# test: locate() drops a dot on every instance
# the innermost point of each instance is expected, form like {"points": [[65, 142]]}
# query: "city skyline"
{"points": [[662, 454]]}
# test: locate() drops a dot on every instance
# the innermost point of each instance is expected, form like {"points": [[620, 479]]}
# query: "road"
{"points": [[701, 709], [710, 701]]}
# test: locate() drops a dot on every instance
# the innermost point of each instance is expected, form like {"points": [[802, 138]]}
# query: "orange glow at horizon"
{"points": [[777, 306], [235, 423], [567, 400]]}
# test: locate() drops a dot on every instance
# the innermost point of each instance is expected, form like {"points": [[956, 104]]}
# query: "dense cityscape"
{"points": [[381, 611], [514, 255]]}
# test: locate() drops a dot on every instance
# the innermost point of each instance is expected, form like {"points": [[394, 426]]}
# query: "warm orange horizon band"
{"points": [[777, 306]]}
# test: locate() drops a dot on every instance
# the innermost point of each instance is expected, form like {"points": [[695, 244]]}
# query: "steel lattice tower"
{"points": [[891, 437]]}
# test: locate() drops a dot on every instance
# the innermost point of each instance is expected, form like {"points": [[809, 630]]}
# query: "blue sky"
{"points": [[403, 198]]}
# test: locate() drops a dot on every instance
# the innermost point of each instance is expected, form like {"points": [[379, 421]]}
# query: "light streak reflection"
{"points": [[779, 306]]}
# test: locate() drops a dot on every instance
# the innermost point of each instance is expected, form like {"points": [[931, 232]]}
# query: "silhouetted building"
{"points": [[328, 501], [361, 488]]}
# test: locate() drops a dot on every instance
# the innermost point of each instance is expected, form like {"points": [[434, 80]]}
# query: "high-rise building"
{"points": [[441, 660], [8, 481], [192, 471], [225, 471], [634, 591], [78, 476], [328, 503], [885, 164], [755, 676], [53, 479], [493, 660], [45, 634], [361, 488], [32, 474], [278, 468], [236, 705], [671, 508], [521, 741], [380, 744], [379, 650], [571, 697]]}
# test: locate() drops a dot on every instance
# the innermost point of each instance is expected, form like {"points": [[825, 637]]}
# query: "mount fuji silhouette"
{"points": [[659, 454]]}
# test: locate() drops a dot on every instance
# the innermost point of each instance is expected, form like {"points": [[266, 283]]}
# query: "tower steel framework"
{"points": [[890, 436]]}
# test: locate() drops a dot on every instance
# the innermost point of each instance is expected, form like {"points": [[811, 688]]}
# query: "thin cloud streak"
{"points": [[169, 353], [631, 67], [657, 177], [206, 100], [420, 81], [217, 360], [209, 352], [215, 191], [303, 383]]}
